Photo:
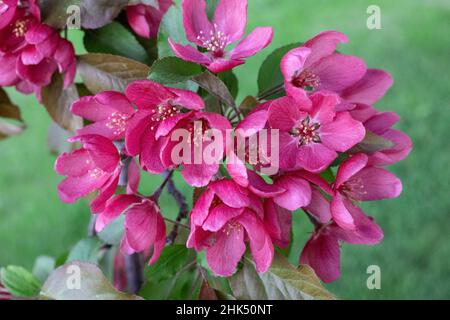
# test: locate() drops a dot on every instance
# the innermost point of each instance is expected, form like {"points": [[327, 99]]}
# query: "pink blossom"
{"points": [[109, 111], [15, 21], [222, 220], [45, 53], [312, 133], [145, 19], [95, 166], [356, 181], [316, 66], [322, 251], [227, 26], [381, 124], [161, 111], [144, 224]]}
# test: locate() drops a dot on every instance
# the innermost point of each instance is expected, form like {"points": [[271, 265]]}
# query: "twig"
{"points": [[134, 268], [167, 179], [182, 213]]}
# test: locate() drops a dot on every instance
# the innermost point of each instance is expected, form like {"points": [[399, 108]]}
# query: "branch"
{"points": [[182, 213]]}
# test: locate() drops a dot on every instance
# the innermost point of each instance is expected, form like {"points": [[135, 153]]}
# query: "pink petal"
{"points": [[200, 210], [401, 149], [76, 163], [289, 149], [8, 75], [376, 184], [134, 176], [293, 62], [319, 207], [106, 192], [278, 222], [257, 40], [137, 127], [39, 74], [343, 133], [141, 225], [315, 157], [113, 209], [315, 179], [252, 123], [366, 231], [148, 94], [30, 55], [284, 114], [230, 193], [167, 125], [340, 212], [382, 122], [219, 216], [297, 194], [322, 253], [350, 167], [188, 99], [237, 169], [260, 242], [261, 188], [338, 71], [151, 153], [215, 121], [101, 150], [73, 188], [323, 45], [195, 21], [188, 53], [371, 88], [231, 18], [219, 65], [199, 175], [324, 106], [138, 21], [228, 249]]}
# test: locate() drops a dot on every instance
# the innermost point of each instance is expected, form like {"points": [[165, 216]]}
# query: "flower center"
{"points": [[306, 80], [118, 122], [20, 28], [164, 112], [231, 226], [306, 132], [354, 189], [215, 42]]}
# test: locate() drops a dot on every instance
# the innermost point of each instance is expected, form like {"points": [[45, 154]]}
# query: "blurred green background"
{"points": [[413, 44]]}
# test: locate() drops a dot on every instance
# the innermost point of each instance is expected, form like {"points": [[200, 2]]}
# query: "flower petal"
{"points": [[343, 133], [188, 53], [297, 194], [323, 45], [195, 20], [257, 40], [230, 17], [371, 88], [350, 167]]}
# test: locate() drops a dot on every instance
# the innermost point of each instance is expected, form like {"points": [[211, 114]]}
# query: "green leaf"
{"points": [[231, 81], [372, 143], [101, 72], [113, 232], [19, 281], [57, 102], [87, 250], [81, 281], [171, 27], [115, 39], [11, 122], [282, 281], [43, 266], [270, 75], [214, 86], [171, 70], [174, 276]]}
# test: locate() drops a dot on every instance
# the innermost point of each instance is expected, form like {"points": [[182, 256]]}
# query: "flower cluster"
{"points": [[319, 125], [30, 51]]}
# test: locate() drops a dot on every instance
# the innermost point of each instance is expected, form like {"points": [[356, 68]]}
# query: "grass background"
{"points": [[413, 45]]}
